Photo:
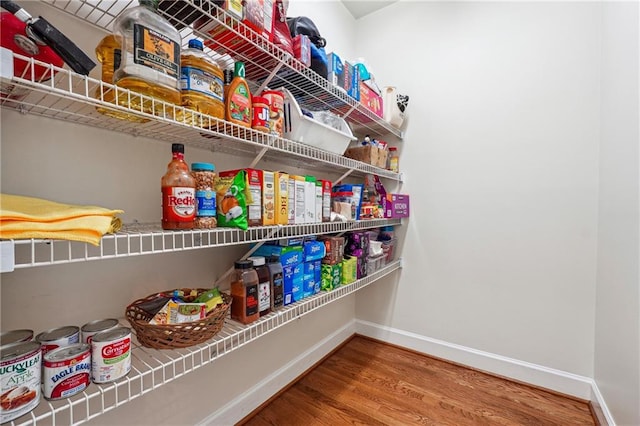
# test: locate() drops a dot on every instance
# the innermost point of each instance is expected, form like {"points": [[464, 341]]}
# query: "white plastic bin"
{"points": [[300, 128]]}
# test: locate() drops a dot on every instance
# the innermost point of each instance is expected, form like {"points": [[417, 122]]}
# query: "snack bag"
{"points": [[232, 196]]}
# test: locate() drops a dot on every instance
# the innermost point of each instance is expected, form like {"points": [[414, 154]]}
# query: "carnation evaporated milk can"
{"points": [[20, 365], [67, 371], [93, 327], [111, 355]]}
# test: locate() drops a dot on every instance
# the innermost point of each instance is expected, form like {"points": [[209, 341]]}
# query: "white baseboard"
{"points": [[538, 375], [240, 407]]}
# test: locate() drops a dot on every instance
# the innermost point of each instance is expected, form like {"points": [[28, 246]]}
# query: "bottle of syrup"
{"points": [[244, 293], [264, 284], [238, 100], [178, 192]]}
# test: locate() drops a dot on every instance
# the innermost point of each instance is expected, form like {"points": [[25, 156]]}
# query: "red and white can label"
{"points": [[111, 360], [66, 377]]}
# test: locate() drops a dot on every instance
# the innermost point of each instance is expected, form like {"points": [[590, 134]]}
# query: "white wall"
{"points": [[501, 155], [617, 343]]}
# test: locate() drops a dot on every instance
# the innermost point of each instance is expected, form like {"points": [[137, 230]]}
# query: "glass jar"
{"points": [[204, 175]]}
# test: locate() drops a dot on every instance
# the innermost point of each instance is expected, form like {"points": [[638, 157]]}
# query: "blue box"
{"points": [[336, 70], [290, 255], [292, 283], [314, 250], [352, 80]]}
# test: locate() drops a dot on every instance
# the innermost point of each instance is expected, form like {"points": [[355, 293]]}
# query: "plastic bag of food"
{"points": [[232, 196]]}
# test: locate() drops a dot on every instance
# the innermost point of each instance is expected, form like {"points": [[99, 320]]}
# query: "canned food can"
{"points": [[111, 355], [58, 337], [20, 365], [15, 336], [261, 113], [93, 327], [67, 371]]}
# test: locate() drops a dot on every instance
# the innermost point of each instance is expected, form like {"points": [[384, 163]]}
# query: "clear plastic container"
{"points": [[244, 293], [201, 82]]}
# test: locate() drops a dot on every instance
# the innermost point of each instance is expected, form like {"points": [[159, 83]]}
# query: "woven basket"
{"points": [[170, 336]]}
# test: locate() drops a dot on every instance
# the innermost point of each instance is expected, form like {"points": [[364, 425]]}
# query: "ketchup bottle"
{"points": [[178, 193]]}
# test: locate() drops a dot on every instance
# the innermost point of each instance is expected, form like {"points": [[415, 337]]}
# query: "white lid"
{"points": [[257, 260]]}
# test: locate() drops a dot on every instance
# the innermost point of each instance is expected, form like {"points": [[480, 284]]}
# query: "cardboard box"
{"points": [[371, 100], [300, 191], [289, 255], [349, 267], [318, 201], [334, 249], [291, 195], [314, 250], [326, 200], [355, 199], [268, 198], [293, 286], [369, 154], [395, 205], [352, 80], [302, 49], [310, 199], [282, 198], [336, 70], [311, 278], [331, 276], [255, 182]]}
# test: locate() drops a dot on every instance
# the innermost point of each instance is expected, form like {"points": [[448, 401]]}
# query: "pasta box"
{"points": [[395, 205], [371, 100]]}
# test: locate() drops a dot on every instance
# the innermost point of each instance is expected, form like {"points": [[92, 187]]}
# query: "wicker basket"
{"points": [[170, 336]]}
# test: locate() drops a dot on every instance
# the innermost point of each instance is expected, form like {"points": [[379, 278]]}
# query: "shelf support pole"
{"points": [[273, 73], [256, 160], [345, 174]]}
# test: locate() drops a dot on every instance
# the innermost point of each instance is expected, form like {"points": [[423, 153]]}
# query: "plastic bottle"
{"points": [[244, 293], [394, 160], [204, 174], [178, 192], [238, 100], [150, 63], [108, 53], [201, 82], [276, 278], [264, 284]]}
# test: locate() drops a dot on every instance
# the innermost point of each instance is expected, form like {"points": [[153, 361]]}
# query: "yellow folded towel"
{"points": [[27, 217]]}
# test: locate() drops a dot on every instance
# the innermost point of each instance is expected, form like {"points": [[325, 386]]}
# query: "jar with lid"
{"points": [[394, 160], [244, 293], [204, 175], [178, 192], [276, 280], [264, 284]]}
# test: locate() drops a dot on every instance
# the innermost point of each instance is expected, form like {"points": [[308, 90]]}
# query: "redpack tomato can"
{"points": [[67, 371], [261, 110], [111, 355]]}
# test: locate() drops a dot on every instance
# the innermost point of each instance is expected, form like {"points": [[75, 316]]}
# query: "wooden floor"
{"points": [[366, 382]]}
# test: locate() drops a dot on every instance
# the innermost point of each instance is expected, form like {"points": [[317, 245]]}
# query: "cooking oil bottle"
{"points": [[202, 85], [108, 53], [150, 60]]}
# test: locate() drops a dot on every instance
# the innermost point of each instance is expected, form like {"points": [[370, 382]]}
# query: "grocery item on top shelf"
{"points": [[302, 128], [350, 194], [302, 49], [150, 62], [371, 151], [238, 100], [303, 25], [370, 99]]}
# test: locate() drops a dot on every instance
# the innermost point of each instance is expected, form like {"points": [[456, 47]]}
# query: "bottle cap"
{"points": [[177, 147], [257, 260], [203, 166], [243, 264], [194, 43], [238, 70]]}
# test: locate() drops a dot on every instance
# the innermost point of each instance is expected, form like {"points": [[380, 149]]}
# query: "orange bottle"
{"points": [[238, 99], [178, 193]]}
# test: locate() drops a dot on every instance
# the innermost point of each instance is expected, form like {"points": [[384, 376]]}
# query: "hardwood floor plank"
{"points": [[366, 382]]}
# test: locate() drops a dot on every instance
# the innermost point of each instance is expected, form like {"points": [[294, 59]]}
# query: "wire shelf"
{"points": [[143, 239], [267, 64], [153, 368]]}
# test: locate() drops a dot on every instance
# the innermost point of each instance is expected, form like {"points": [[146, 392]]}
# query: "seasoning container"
{"points": [[264, 284], [92, 327], [244, 293], [204, 175], [261, 109], [67, 371], [275, 98], [394, 159], [178, 192], [20, 373], [15, 336], [276, 280], [238, 100]]}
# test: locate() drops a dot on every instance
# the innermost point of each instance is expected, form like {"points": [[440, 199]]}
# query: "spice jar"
{"points": [[204, 175]]}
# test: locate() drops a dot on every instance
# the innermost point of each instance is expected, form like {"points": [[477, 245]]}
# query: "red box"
{"points": [[302, 49], [371, 99], [395, 205]]}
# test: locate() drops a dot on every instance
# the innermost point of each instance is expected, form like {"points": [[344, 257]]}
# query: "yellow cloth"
{"points": [[27, 217]]}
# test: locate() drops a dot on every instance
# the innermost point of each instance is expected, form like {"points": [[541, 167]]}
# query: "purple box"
{"points": [[396, 205]]}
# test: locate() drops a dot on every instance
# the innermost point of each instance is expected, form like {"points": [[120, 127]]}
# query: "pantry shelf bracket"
{"points": [[256, 160], [273, 73], [348, 113], [345, 174]]}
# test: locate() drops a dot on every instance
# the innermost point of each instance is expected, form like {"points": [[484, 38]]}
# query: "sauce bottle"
{"points": [[394, 160], [178, 192], [244, 293], [276, 279], [238, 101], [201, 82], [150, 63], [264, 284]]}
